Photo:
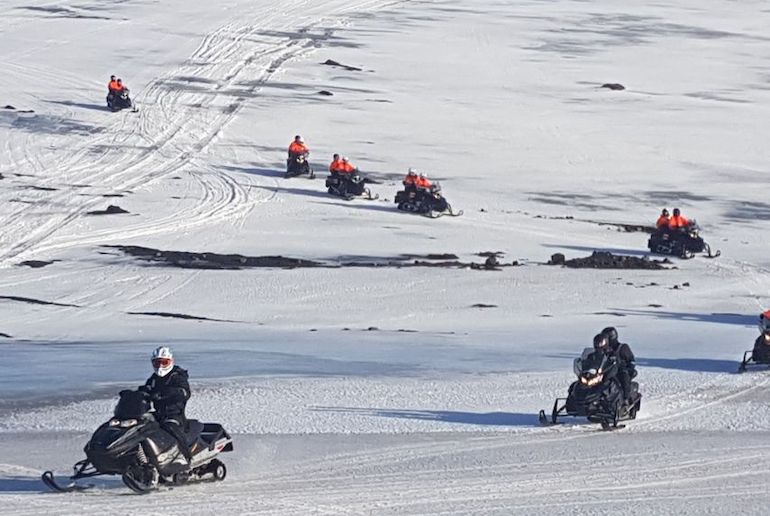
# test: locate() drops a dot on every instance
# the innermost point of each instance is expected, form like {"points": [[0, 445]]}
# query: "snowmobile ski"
{"points": [[50, 481]]}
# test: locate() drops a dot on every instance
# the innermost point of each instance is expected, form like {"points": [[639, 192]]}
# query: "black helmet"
{"points": [[676, 212], [601, 342], [611, 333], [664, 212]]}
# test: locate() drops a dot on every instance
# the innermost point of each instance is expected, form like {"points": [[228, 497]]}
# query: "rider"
{"points": [[335, 165], [625, 357], [423, 183], [663, 221], [410, 180], [764, 332], [169, 391], [346, 167], [298, 148], [678, 221], [112, 86]]}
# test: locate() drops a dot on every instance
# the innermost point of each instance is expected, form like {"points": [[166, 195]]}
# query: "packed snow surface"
{"points": [[387, 390]]}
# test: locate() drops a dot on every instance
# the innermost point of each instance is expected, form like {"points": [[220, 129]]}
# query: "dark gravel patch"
{"points": [[605, 260], [111, 210]]}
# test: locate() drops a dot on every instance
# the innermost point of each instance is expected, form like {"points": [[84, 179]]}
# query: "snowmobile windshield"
{"points": [[132, 405], [590, 360]]}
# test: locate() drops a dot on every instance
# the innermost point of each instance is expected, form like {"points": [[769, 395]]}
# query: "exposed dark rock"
{"points": [[5, 335], [8, 106], [613, 86], [432, 256], [326, 93], [236, 261], [557, 259], [111, 210], [487, 254], [36, 264], [331, 62], [655, 305], [33, 301], [606, 260], [188, 260], [372, 328], [2, 176], [686, 284], [482, 305], [113, 195], [179, 316]]}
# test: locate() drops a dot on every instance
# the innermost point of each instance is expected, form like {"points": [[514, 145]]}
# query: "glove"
{"points": [[155, 396]]}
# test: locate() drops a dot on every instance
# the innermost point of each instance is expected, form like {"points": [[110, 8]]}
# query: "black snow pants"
{"points": [[175, 426]]}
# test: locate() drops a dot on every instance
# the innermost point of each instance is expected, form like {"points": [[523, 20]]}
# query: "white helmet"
{"points": [[412, 171], [162, 361], [423, 175], [344, 159]]}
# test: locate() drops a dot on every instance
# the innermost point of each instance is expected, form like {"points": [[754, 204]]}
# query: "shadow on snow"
{"points": [[445, 416]]}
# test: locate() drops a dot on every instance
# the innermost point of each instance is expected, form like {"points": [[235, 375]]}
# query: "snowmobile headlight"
{"points": [[767, 338], [594, 380], [124, 423]]}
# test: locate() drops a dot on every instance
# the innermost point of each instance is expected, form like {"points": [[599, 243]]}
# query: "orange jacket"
{"points": [[298, 148], [678, 221], [410, 180], [346, 168], [423, 182], [335, 165], [765, 315], [663, 222], [114, 86]]}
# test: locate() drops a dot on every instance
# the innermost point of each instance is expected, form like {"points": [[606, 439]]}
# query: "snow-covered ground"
{"points": [[360, 390]]}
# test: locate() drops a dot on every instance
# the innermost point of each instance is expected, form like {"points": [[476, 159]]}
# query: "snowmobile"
{"points": [[597, 394], [760, 355], [428, 203], [120, 101], [297, 166], [684, 243], [134, 445], [349, 186]]}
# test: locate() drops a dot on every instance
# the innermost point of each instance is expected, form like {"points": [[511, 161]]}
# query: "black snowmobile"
{"points": [[116, 102], [684, 242], [298, 165], [349, 186], [133, 444], [597, 394], [760, 355], [428, 203]]}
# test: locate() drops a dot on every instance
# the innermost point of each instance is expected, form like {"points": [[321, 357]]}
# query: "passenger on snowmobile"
{"points": [[346, 167], [624, 356], [663, 221], [678, 221], [169, 391], [423, 183]]}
